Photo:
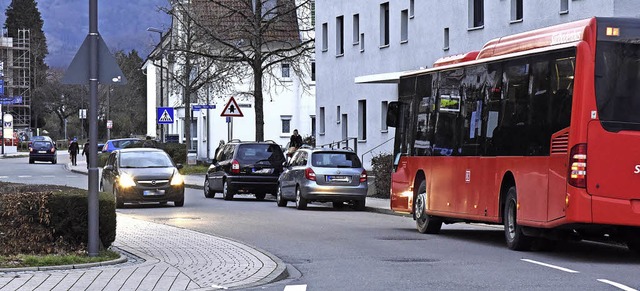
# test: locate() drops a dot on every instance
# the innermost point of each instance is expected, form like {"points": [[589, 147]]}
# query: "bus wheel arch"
{"points": [[508, 181], [424, 223]]}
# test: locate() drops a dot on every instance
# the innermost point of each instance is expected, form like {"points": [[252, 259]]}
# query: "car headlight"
{"points": [[126, 181], [177, 180]]}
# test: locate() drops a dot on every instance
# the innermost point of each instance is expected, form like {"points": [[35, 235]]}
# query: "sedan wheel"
{"points": [[119, 202], [227, 192], [279, 199], [301, 202], [207, 190]]}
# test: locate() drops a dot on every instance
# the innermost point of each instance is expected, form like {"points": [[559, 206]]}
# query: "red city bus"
{"points": [[537, 131]]}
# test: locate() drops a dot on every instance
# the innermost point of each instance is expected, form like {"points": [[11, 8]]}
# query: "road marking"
{"points": [[48, 176], [24, 176], [4, 177], [550, 266], [295, 288], [621, 286]]}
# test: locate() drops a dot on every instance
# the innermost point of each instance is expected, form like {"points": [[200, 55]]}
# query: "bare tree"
{"points": [[253, 36], [191, 67]]}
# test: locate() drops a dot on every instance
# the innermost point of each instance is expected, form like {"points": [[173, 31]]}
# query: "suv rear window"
{"points": [[335, 160], [122, 143], [252, 153], [41, 144]]}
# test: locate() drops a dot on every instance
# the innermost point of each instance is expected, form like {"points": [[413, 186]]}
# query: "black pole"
{"points": [[92, 154], [161, 90]]}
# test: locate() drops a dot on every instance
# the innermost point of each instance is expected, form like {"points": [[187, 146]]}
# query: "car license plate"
{"points": [[263, 171], [339, 179], [42, 152], [152, 192]]}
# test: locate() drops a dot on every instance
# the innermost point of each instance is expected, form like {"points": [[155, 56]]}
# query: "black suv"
{"points": [[251, 167]]}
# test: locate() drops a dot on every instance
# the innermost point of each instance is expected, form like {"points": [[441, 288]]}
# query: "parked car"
{"points": [[43, 150], [323, 175], [142, 175], [249, 167], [99, 147], [120, 143]]}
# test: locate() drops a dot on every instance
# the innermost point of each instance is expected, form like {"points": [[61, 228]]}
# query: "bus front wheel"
{"points": [[424, 223], [516, 239]]}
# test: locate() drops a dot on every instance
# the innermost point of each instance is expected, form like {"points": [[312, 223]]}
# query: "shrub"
{"points": [[102, 159], [176, 151], [44, 219], [382, 166]]}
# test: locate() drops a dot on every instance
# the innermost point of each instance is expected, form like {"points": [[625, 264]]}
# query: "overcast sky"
{"points": [[122, 24]]}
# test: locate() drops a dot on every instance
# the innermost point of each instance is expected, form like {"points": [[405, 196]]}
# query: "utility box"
{"points": [[191, 158]]}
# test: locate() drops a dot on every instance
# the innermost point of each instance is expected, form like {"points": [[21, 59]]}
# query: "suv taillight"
{"points": [[363, 176], [235, 167], [309, 174], [578, 166]]}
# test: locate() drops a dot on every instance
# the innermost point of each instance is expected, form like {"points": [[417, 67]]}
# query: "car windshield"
{"points": [[335, 160], [41, 144], [253, 153], [145, 160]]}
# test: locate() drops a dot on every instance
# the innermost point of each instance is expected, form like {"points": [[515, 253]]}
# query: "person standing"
{"points": [[74, 148], [85, 152]]}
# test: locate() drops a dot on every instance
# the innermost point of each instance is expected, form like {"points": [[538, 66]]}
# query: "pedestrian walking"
{"points": [[85, 152], [74, 148]]}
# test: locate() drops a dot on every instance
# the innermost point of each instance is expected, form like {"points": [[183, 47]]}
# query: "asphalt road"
{"points": [[328, 249]]}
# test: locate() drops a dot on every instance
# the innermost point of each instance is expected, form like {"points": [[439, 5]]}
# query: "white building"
{"points": [[367, 39], [289, 103]]}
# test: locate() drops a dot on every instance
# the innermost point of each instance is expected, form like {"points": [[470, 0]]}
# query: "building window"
{"points": [[516, 10], [404, 26], [325, 37], [286, 123], [340, 35], [362, 119], [286, 70], [384, 24], [362, 42], [313, 70], [412, 8], [356, 29], [321, 113], [384, 106], [338, 114], [269, 9], [345, 128], [564, 6], [476, 13], [446, 39], [313, 125]]}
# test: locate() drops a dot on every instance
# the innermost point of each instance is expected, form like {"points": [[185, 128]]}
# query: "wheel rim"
{"points": [[224, 189], [279, 195], [206, 186], [511, 220], [421, 206], [297, 197]]}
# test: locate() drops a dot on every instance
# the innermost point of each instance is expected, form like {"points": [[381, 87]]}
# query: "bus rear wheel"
{"points": [[424, 223], [516, 239]]}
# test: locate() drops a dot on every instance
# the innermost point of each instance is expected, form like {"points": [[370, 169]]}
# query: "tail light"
{"points": [[578, 166], [363, 176], [309, 174], [53, 150], [235, 167]]}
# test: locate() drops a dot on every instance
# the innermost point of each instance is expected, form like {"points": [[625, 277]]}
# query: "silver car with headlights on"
{"points": [[323, 175]]}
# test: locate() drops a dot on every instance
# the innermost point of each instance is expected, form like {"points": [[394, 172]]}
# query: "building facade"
{"points": [[361, 46]]}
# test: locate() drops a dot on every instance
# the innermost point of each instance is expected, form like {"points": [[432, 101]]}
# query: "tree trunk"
{"points": [[259, 101]]}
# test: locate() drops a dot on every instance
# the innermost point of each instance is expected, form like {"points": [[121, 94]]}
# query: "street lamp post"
{"points": [[153, 29]]}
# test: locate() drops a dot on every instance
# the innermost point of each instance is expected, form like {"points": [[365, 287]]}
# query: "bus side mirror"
{"points": [[393, 110]]}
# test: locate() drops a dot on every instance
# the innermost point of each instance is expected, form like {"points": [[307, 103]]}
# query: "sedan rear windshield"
{"points": [[42, 144], [335, 160], [254, 153], [145, 160]]}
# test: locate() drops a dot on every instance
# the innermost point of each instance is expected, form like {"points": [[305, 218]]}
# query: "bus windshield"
{"points": [[617, 84]]}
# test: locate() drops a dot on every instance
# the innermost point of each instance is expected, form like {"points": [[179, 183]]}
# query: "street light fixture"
{"points": [[153, 29], [114, 80]]}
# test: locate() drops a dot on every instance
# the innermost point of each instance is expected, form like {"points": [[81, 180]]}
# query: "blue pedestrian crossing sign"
{"points": [[165, 115]]}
